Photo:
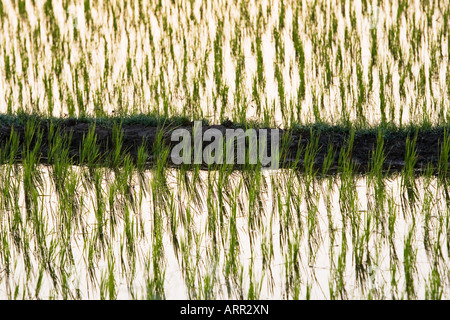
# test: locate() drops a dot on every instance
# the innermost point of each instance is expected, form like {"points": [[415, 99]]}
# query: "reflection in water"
{"points": [[199, 234]]}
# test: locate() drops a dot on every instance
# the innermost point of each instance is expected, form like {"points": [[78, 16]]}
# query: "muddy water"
{"points": [[310, 226]]}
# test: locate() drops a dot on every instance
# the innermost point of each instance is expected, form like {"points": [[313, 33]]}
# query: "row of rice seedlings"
{"points": [[173, 58], [66, 186], [224, 246]]}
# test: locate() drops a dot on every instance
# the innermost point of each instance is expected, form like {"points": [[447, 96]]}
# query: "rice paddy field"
{"points": [[91, 206]]}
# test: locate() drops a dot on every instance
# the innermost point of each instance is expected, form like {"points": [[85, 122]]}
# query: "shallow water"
{"points": [[304, 229], [293, 237], [166, 84]]}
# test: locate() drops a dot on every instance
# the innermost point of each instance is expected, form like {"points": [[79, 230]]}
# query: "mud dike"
{"points": [[329, 146]]}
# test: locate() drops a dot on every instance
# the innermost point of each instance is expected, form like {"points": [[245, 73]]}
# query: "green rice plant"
{"points": [[232, 263], [337, 283], [117, 142], [345, 115], [5, 253], [347, 197], [362, 96], [361, 252], [10, 151], [32, 181], [408, 176], [89, 152], [111, 282], [159, 194], [377, 179], [39, 282], [255, 286], [49, 92], [292, 267], [281, 94], [434, 289], [7, 64], [260, 63], [443, 162], [311, 196], [58, 156], [2, 12], [310, 157], [188, 271], [426, 210], [409, 264], [99, 205], [254, 184]]}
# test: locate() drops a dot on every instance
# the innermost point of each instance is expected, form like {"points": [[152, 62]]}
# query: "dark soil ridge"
{"points": [[428, 144]]}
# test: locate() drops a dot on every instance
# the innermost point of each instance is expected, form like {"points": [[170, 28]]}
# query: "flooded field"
{"points": [[277, 62], [110, 226], [176, 235]]}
